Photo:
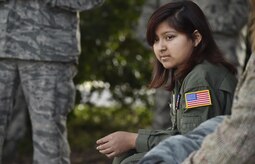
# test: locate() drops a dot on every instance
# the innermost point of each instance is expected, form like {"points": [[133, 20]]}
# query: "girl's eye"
{"points": [[169, 37]]}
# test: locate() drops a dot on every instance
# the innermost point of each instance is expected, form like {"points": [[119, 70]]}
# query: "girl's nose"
{"points": [[162, 47]]}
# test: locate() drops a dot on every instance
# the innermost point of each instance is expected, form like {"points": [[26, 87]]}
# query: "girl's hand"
{"points": [[116, 143]]}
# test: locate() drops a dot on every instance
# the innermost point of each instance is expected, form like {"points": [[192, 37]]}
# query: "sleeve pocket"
{"points": [[191, 119], [189, 123]]}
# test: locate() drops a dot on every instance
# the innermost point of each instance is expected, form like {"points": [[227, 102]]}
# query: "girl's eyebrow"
{"points": [[166, 32]]}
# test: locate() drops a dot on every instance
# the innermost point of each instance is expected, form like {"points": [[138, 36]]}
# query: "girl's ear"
{"points": [[197, 37]]}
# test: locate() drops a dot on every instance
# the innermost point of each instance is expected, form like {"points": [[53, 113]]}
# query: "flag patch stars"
{"points": [[197, 99]]}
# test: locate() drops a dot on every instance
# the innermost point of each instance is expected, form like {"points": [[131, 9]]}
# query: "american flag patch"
{"points": [[198, 99]]}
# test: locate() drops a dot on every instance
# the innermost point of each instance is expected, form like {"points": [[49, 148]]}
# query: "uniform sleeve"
{"points": [[190, 117], [75, 5], [198, 101], [147, 139], [233, 140], [202, 99]]}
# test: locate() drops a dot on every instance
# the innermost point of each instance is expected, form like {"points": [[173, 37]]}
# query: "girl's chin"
{"points": [[167, 66]]}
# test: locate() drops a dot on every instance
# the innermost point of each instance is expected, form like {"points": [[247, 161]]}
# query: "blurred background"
{"points": [[113, 72]]}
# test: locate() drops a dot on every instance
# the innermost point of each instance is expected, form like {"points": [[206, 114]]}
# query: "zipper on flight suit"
{"points": [[175, 103]]}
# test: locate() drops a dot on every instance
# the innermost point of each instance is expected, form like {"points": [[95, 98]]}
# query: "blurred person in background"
{"points": [[39, 50]]}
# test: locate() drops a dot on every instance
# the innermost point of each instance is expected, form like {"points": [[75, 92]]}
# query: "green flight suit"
{"points": [[216, 80]]}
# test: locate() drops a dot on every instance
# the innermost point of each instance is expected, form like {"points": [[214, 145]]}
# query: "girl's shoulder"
{"points": [[208, 74]]}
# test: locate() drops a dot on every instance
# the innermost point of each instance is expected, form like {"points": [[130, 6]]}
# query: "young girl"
{"points": [[231, 141], [190, 65]]}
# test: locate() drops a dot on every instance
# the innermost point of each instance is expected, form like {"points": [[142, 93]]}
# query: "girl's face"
{"points": [[172, 48]]}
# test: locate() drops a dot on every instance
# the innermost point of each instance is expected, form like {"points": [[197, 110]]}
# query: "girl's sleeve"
{"points": [[195, 105], [147, 139], [202, 98]]}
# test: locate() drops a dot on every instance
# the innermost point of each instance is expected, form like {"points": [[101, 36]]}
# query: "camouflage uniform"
{"points": [[17, 127], [39, 50]]}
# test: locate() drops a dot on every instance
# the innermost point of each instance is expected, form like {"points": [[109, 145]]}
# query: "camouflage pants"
{"points": [[49, 93], [175, 149]]}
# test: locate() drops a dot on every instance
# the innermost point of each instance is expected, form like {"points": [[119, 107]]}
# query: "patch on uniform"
{"points": [[198, 99]]}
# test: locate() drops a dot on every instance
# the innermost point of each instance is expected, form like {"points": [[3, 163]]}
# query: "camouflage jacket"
{"points": [[42, 30]]}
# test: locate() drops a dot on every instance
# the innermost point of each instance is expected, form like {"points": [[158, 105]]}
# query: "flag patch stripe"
{"points": [[198, 99]]}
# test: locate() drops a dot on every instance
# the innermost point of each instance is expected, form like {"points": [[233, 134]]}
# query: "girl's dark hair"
{"points": [[185, 17]]}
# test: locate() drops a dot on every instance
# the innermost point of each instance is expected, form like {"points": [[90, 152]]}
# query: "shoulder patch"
{"points": [[198, 99]]}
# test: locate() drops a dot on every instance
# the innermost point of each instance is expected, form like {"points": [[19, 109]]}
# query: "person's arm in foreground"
{"points": [[176, 148]]}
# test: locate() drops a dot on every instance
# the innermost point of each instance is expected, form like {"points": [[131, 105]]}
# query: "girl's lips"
{"points": [[164, 57]]}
